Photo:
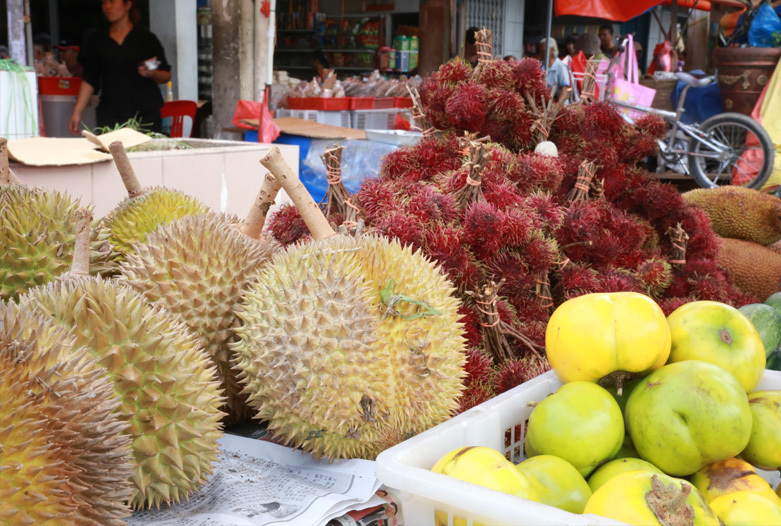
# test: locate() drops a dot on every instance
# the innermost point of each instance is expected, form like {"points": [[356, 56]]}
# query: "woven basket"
{"points": [[664, 90]]}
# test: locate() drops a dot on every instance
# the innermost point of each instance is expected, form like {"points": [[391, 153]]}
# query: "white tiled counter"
{"points": [[225, 175]]}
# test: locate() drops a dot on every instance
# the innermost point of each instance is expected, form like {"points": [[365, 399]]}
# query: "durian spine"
{"points": [[132, 184], [310, 212], [256, 219]]}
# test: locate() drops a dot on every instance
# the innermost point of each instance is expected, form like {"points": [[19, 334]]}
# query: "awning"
{"points": [[623, 10]]}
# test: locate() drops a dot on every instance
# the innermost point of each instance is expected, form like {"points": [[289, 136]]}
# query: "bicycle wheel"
{"points": [[740, 152]]}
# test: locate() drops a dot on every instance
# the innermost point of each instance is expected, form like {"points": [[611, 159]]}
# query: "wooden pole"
{"points": [[674, 33]]}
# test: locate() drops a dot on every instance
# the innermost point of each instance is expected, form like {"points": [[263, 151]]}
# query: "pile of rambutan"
{"points": [[517, 232]]}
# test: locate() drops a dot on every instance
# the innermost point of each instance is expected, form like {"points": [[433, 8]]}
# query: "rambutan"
{"points": [[530, 78], [377, 197], [287, 226], [602, 121], [532, 172], [651, 125], [654, 275], [474, 395], [540, 252], [401, 225], [445, 245], [471, 320], [466, 108], [503, 196], [479, 367], [574, 280], [546, 208], [484, 229], [429, 205], [503, 104], [619, 280], [519, 132], [453, 72], [497, 74], [515, 372], [510, 266], [668, 305]]}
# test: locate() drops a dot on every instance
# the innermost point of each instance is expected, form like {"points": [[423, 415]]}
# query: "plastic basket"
{"points": [[334, 118], [59, 85], [500, 424], [374, 119], [361, 103], [402, 102], [309, 115], [383, 103], [299, 103]]}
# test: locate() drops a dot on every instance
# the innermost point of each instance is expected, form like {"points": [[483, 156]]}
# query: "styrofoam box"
{"points": [[374, 119], [500, 424]]}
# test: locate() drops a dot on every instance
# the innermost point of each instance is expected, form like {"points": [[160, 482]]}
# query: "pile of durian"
{"points": [[128, 342]]}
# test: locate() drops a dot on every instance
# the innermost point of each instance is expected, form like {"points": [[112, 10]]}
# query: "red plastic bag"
{"points": [[247, 112], [663, 58]]}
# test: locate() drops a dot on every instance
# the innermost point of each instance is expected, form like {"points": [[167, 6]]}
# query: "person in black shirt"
{"points": [[126, 64]]}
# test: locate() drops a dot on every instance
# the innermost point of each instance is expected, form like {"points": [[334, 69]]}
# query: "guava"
{"points": [[720, 334], [764, 446], [557, 482], [580, 423], [687, 415]]}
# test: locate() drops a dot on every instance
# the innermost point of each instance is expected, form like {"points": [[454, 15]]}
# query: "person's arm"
{"points": [[85, 93]]}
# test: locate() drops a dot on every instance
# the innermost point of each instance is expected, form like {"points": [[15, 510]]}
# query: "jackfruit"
{"points": [[740, 213], [755, 269]]}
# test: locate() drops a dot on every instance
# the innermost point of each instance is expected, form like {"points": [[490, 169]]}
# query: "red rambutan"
{"points": [[430, 205], [602, 121], [574, 280], [652, 125], [453, 72], [466, 108], [532, 171], [484, 229], [287, 226], [502, 196], [376, 198], [515, 372], [471, 320], [444, 244], [654, 275], [401, 225], [530, 78], [497, 74]]}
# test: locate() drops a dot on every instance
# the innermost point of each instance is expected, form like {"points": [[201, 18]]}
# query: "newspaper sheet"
{"points": [[257, 483]]}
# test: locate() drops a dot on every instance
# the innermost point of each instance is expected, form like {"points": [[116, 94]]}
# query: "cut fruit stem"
{"points": [[306, 206], [252, 226], [132, 184]]}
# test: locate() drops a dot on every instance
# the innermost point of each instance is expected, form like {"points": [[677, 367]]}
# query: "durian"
{"points": [[196, 267], [144, 209], [36, 235], [740, 213], [64, 453], [349, 345], [163, 377]]}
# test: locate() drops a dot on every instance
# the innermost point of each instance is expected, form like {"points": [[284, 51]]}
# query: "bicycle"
{"points": [[726, 149]]}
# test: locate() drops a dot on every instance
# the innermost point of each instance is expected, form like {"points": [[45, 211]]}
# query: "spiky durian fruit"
{"points": [[197, 267], [351, 345], [36, 235], [65, 456], [144, 209], [167, 386]]}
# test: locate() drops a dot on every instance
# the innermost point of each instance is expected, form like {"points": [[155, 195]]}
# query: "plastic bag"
{"points": [[247, 112], [766, 28]]}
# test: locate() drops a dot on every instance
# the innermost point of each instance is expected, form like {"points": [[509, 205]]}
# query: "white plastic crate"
{"points": [[374, 119], [334, 118], [309, 115], [500, 424]]}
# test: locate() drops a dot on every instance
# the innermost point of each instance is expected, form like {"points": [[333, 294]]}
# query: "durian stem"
{"points": [[5, 170], [132, 184], [80, 264], [256, 218], [306, 206]]}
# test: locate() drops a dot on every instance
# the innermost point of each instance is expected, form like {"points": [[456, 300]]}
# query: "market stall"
{"points": [[514, 322]]}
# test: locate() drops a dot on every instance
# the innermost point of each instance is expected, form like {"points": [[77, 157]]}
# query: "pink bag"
{"points": [[629, 89]]}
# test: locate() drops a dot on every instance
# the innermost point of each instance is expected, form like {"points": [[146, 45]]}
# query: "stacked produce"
{"points": [[165, 383], [749, 223], [349, 344], [196, 267], [520, 232], [664, 449], [64, 451]]}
